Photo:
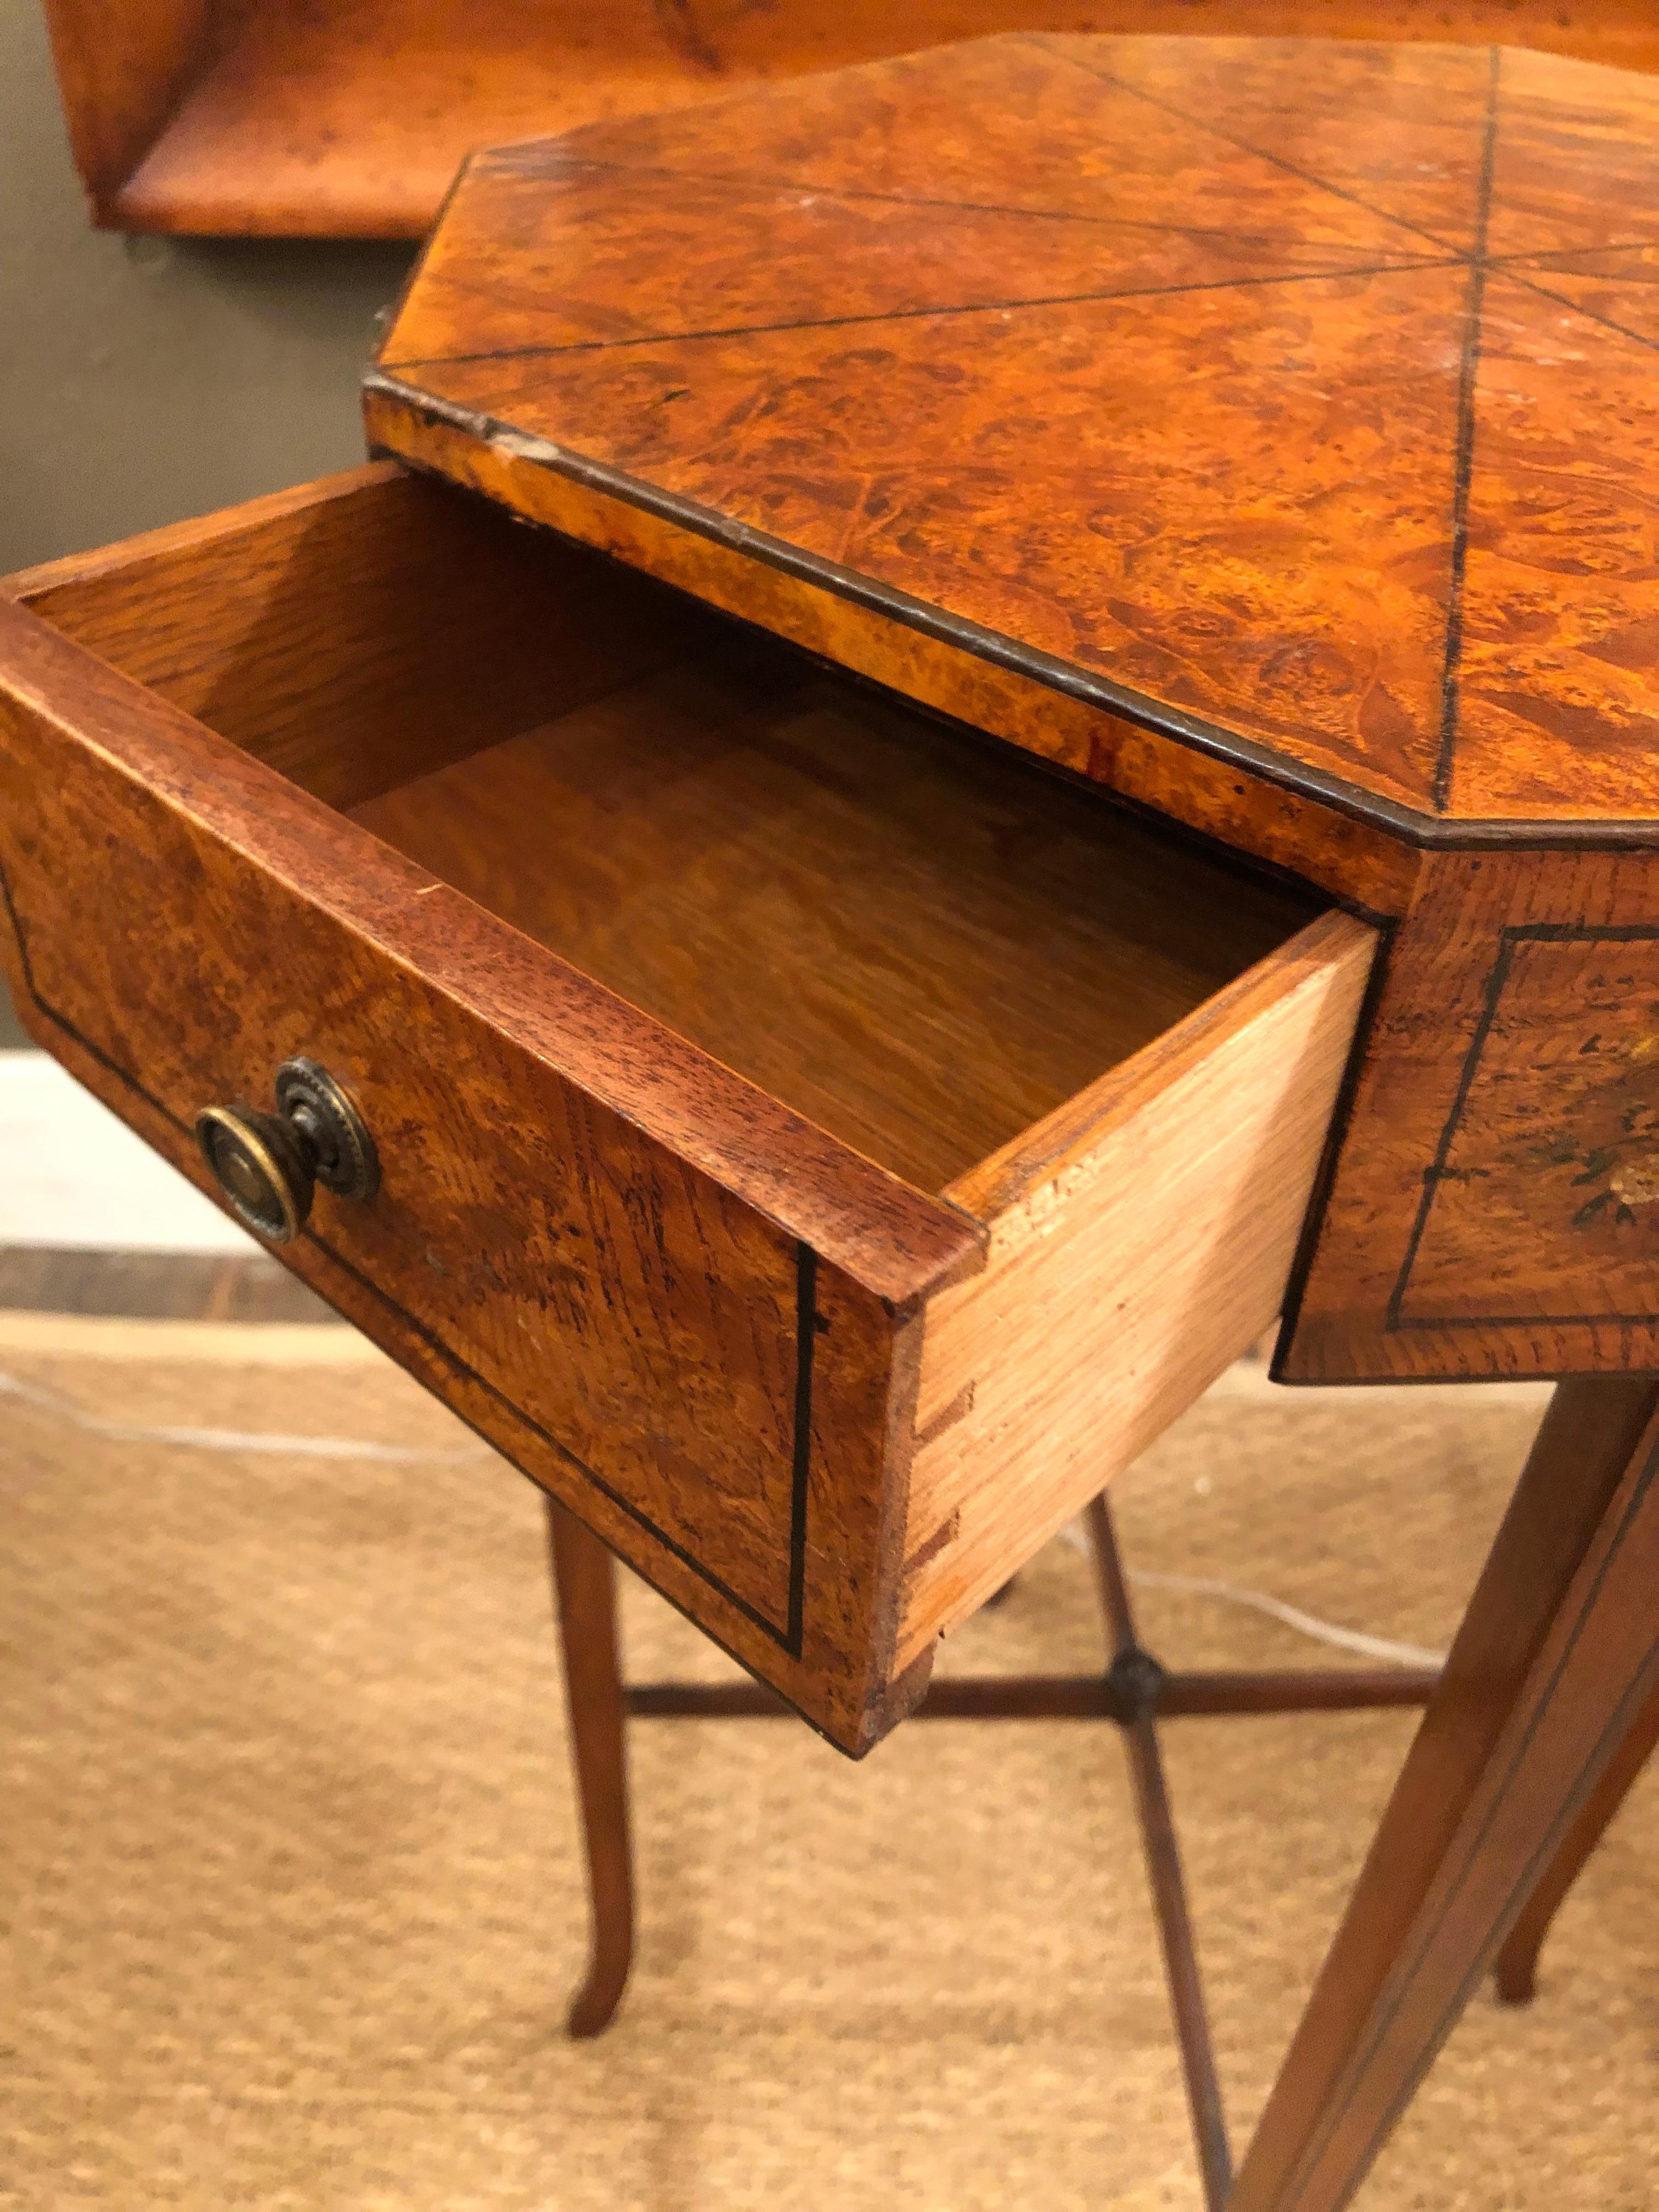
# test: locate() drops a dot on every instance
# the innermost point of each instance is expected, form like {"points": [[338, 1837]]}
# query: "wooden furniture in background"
{"points": [[346, 118], [821, 1146]]}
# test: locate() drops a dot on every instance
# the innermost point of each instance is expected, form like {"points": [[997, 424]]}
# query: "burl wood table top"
{"points": [[1294, 400]]}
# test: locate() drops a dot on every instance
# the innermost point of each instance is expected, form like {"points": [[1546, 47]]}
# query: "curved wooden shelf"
{"points": [[346, 118]]}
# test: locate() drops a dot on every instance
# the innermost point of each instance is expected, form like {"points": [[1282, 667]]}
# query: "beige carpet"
{"points": [[290, 1871]]}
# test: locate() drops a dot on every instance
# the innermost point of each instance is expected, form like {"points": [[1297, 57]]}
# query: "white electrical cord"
{"points": [[1380, 1648], [236, 1440]]}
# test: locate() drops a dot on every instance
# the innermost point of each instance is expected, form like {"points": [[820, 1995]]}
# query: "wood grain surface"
{"points": [[587, 1012], [1378, 600], [122, 66], [347, 118], [1516, 1968], [1254, 812], [909, 333], [923, 944], [358, 630], [1140, 1242], [1495, 1205], [621, 1263], [1551, 1667]]}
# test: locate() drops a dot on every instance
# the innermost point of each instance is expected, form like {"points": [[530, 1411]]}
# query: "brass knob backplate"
{"points": [[343, 1154], [268, 1165]]}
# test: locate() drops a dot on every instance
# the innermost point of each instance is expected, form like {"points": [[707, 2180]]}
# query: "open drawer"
{"points": [[819, 1145]]}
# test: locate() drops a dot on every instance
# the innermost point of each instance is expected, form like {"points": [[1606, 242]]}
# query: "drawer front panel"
{"points": [[1494, 1207], [1544, 1200], [679, 1368]]}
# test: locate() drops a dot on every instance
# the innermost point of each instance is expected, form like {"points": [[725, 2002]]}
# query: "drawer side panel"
{"points": [[1136, 1249]]}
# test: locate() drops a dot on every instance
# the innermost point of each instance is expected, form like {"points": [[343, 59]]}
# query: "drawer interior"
{"points": [[922, 942]]}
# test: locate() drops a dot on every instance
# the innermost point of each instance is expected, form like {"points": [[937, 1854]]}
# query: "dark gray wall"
{"points": [[142, 380]]}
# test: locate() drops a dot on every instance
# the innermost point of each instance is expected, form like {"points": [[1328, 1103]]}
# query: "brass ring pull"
{"points": [[262, 1166], [268, 1165]]}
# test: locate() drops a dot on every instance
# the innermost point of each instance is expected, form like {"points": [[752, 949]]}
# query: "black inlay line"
{"points": [[1242, 146], [1584, 932], [1336, 1137], [1405, 821], [386, 326], [1556, 254], [26, 966], [1404, 1970], [925, 314], [1463, 464], [1534, 932], [1463, 1381], [1607, 322], [788, 1636], [806, 1330], [683, 31], [1647, 1322], [635, 1513], [1435, 1171], [550, 173], [1637, 1690]]}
